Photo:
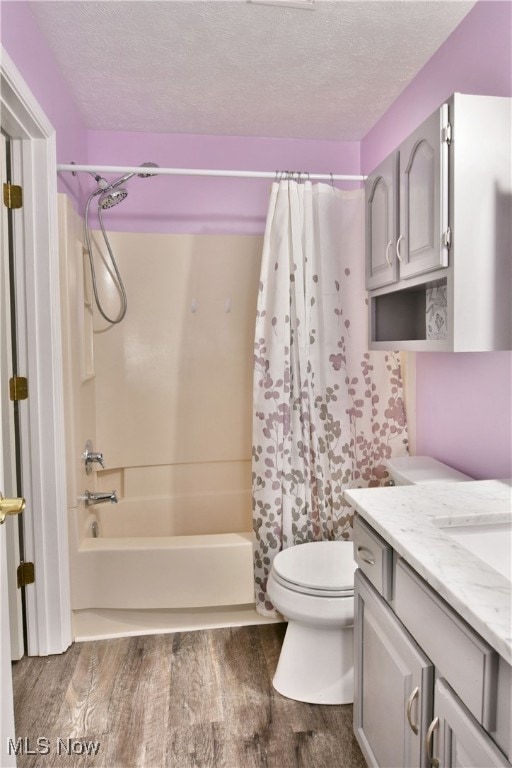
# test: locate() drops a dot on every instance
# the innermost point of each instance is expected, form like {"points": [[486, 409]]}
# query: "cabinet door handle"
{"points": [[398, 247], [370, 560], [388, 260], [410, 702], [429, 742]]}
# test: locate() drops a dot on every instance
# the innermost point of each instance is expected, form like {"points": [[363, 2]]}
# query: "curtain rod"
{"points": [[202, 172]]}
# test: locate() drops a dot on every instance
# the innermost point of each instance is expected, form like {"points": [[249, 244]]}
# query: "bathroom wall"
{"points": [[208, 205], [182, 205], [463, 401], [173, 381], [77, 350], [25, 45]]}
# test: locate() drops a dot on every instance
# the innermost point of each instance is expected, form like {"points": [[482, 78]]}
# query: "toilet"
{"points": [[417, 470], [312, 586]]}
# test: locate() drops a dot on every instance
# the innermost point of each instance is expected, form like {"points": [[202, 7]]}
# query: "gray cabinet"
{"points": [[438, 240], [392, 687], [406, 200], [461, 741], [381, 199], [428, 690], [422, 244]]}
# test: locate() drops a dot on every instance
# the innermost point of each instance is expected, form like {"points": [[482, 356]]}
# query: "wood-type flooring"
{"points": [[201, 699]]}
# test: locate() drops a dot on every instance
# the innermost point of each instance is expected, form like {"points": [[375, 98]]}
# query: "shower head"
{"points": [[112, 197]]}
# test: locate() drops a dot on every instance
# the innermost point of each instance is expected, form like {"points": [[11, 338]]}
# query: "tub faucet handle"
{"points": [[90, 456], [91, 498]]}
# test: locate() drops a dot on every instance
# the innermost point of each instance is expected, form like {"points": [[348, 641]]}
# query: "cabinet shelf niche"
{"points": [[416, 313]]}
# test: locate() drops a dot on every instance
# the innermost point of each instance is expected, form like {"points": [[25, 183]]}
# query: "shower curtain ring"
{"points": [[332, 180]]}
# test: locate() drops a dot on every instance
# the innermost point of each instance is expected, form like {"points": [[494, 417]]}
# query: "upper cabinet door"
{"points": [[424, 237], [381, 196]]}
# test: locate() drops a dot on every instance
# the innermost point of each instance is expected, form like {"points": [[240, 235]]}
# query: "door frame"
{"points": [[48, 603]]}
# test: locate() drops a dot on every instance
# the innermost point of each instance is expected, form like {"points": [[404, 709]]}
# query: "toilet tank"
{"points": [[413, 470]]}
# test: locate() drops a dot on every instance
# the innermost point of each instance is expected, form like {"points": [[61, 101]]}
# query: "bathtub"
{"points": [[165, 552]]}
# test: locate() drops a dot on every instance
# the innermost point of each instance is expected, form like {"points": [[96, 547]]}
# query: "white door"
{"points": [[6, 695]]}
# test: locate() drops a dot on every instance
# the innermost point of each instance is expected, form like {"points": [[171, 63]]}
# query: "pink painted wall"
{"points": [[464, 408], [25, 45], [463, 411], [476, 58], [207, 205], [162, 204]]}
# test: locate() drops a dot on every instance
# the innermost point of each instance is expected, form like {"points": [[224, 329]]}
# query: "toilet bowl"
{"points": [[312, 586]]}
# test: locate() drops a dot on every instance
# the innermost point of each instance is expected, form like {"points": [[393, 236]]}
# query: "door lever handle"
{"points": [[10, 507]]}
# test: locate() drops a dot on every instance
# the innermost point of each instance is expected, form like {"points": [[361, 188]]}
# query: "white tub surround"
{"points": [[408, 518]]}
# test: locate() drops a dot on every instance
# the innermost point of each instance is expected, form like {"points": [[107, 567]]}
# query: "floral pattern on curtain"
{"points": [[327, 412]]}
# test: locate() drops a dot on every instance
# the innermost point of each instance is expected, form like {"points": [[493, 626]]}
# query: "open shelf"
{"points": [[417, 313]]}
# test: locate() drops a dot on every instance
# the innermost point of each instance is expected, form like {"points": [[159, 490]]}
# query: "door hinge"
{"points": [[447, 238], [13, 195], [18, 388], [26, 574], [446, 133]]}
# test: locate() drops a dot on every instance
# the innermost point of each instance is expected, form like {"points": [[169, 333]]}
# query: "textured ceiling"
{"points": [[238, 68]]}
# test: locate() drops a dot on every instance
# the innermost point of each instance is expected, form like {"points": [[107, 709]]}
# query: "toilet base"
{"points": [[316, 665]]}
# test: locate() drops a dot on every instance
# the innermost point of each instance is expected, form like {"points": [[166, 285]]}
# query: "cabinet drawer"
{"points": [[374, 557], [468, 664]]}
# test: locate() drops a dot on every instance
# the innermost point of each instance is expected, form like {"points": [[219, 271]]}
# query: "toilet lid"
{"points": [[319, 567]]}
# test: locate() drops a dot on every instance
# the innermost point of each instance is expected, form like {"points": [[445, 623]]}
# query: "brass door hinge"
{"points": [[26, 574], [18, 388], [13, 195]]}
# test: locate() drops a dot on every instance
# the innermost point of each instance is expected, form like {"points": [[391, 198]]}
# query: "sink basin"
{"points": [[488, 537]]}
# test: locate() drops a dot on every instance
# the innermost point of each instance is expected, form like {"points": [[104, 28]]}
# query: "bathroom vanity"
{"points": [[433, 645]]}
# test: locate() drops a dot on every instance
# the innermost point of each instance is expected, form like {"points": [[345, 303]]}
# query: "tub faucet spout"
{"points": [[91, 498]]}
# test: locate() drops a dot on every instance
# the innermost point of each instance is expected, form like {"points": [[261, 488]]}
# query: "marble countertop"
{"points": [[404, 516]]}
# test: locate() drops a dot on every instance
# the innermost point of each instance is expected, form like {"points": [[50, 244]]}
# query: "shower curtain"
{"points": [[327, 412]]}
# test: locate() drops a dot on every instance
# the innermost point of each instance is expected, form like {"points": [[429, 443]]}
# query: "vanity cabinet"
{"points": [[393, 685], [461, 741], [438, 242], [428, 690]]}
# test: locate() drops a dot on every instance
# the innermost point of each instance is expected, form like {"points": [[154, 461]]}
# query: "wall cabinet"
{"points": [[381, 201], [438, 239], [428, 691], [407, 207]]}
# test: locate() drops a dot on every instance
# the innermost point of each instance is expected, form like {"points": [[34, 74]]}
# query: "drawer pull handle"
{"points": [[370, 560], [410, 702], [429, 742]]}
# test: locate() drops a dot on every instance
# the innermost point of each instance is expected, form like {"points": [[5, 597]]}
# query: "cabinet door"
{"points": [[393, 685], [423, 233], [462, 741], [381, 197]]}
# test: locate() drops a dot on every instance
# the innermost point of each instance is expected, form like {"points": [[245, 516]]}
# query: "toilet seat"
{"points": [[320, 568]]}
